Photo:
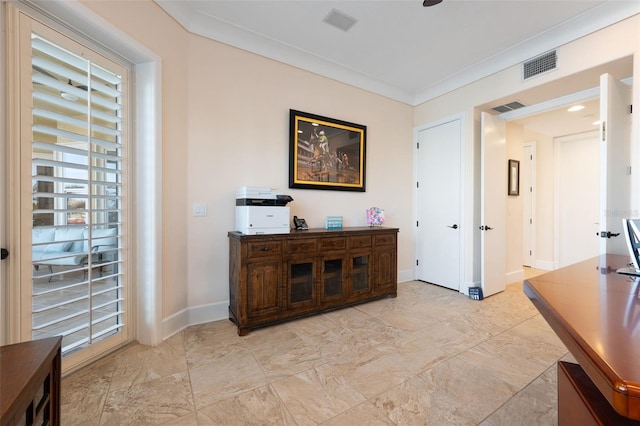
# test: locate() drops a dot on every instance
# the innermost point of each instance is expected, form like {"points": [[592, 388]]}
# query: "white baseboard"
{"points": [[192, 316], [514, 276], [406, 275], [546, 265]]}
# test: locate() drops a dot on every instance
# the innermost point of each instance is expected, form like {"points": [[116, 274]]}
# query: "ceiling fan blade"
{"points": [[427, 3]]}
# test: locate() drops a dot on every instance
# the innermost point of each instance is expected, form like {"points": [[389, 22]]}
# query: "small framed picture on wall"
{"points": [[514, 178]]}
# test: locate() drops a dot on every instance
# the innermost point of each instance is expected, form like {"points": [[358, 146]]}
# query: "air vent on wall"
{"points": [[539, 65], [508, 107]]}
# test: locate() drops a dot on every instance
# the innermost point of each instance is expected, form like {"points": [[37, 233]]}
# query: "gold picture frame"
{"points": [[326, 153]]}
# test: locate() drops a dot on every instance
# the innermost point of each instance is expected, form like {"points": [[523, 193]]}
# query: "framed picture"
{"points": [[514, 178], [325, 153]]}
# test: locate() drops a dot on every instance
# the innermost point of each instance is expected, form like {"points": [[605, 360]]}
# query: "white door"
{"points": [[527, 191], [493, 192], [615, 160], [577, 207], [438, 195]]}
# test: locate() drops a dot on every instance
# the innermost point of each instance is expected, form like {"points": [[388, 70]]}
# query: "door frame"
{"points": [[464, 234], [4, 179], [529, 169]]}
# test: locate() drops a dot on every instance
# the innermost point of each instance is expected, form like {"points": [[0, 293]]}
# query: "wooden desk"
{"points": [[596, 314], [30, 382]]}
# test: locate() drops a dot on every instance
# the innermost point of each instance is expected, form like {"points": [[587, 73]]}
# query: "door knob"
{"points": [[607, 234], [454, 226], [485, 228], [4, 253]]}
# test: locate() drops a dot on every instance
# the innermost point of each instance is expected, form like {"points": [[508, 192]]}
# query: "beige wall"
{"points": [[225, 125], [239, 135]]}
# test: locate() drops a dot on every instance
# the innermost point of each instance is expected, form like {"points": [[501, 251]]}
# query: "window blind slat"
{"points": [[60, 102], [43, 64], [52, 147], [40, 45], [60, 118], [59, 133]]}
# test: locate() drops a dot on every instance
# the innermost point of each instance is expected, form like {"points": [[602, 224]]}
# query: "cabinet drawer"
{"points": [[339, 243], [360, 241], [264, 249], [384, 240], [301, 246]]}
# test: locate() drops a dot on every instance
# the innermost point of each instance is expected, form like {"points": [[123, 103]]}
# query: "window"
{"points": [[78, 156]]}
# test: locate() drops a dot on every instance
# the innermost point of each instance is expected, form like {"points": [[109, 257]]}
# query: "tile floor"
{"points": [[431, 356]]}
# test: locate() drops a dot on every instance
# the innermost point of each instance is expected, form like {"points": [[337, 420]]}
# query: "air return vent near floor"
{"points": [[539, 65]]}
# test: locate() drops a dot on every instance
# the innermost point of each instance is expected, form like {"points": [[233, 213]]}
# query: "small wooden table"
{"points": [[30, 382], [596, 313]]}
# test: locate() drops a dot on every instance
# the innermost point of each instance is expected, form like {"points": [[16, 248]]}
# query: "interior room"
{"points": [[118, 213]]}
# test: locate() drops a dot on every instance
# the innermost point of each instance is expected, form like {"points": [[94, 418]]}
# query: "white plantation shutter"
{"points": [[79, 191]]}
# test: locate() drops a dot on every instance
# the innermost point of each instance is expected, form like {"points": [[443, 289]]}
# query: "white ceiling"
{"points": [[398, 48]]}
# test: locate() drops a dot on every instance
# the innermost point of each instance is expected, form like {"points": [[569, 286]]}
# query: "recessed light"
{"points": [[576, 108]]}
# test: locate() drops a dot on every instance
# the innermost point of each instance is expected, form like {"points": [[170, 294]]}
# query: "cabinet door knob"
{"points": [[265, 248]]}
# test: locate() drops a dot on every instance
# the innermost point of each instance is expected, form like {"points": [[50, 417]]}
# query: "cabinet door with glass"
{"points": [[301, 278], [360, 274], [332, 279]]}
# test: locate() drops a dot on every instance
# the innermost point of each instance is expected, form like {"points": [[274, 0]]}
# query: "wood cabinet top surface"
{"points": [[19, 366], [315, 233], [596, 313]]}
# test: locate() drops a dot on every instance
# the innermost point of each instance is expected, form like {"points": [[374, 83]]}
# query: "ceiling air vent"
{"points": [[508, 107], [340, 20], [539, 65]]}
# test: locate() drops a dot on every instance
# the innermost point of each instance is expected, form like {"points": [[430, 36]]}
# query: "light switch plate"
{"points": [[199, 209]]}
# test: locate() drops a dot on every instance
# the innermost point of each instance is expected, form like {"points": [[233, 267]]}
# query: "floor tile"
{"points": [[431, 356]]}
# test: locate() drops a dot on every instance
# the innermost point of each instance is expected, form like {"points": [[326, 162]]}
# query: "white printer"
{"points": [[260, 211]]}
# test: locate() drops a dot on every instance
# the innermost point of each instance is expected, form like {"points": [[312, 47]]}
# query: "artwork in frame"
{"points": [[514, 178], [326, 153]]}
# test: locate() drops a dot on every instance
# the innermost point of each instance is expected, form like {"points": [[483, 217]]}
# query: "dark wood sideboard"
{"points": [[278, 277], [596, 313], [30, 382]]}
